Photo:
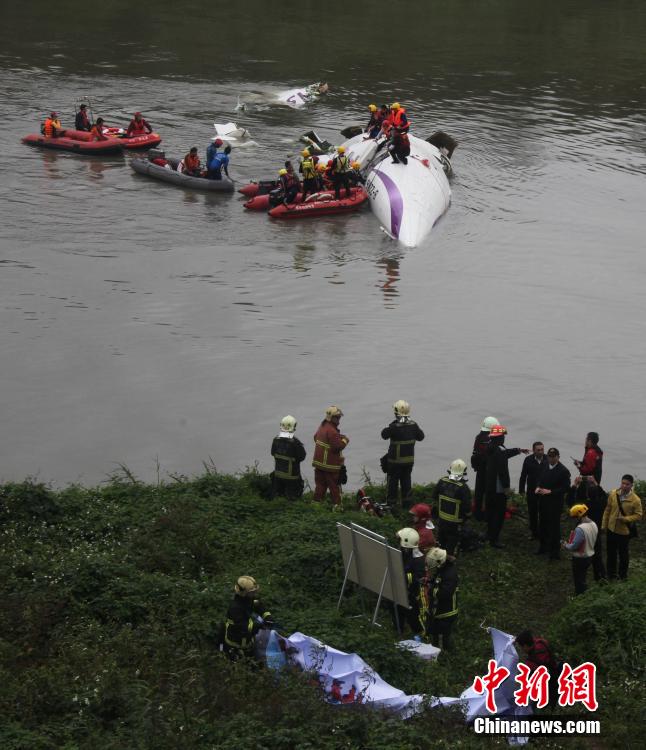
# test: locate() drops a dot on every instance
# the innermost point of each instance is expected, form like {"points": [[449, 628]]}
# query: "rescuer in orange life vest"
{"points": [[328, 461], [52, 126], [138, 126], [97, 131]]}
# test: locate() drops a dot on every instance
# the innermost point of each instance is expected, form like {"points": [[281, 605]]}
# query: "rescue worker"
{"points": [[586, 490], [355, 176], [538, 653], [289, 185], [623, 511], [288, 452], [442, 587], [423, 525], [453, 497], [498, 482], [581, 545], [397, 118], [219, 162], [373, 128], [340, 166], [403, 433], [592, 463], [212, 149], [82, 121], [551, 488], [191, 164], [245, 617], [52, 126], [328, 461], [414, 570], [138, 126], [308, 169], [96, 131], [322, 175], [533, 465], [479, 465], [399, 146]]}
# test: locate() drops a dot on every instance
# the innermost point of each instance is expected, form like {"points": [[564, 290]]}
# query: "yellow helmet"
{"points": [[331, 412], [341, 149], [577, 511], [372, 107], [356, 165], [401, 408], [395, 105], [321, 167], [281, 172], [305, 153], [246, 586]]}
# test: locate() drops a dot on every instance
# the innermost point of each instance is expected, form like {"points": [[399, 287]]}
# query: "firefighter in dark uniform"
{"points": [[403, 433], [414, 570], [442, 587], [453, 498], [245, 617], [479, 465], [288, 452]]}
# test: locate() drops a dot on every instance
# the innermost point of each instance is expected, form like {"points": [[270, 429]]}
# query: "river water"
{"points": [[159, 328]]}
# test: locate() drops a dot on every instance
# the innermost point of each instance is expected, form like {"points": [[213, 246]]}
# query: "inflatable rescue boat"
{"points": [[169, 173], [75, 141], [134, 142], [321, 204]]}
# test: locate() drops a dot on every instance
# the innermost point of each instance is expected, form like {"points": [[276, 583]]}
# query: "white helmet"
{"points": [[402, 408], [435, 558], [246, 586], [408, 538], [457, 469], [288, 423], [488, 423]]}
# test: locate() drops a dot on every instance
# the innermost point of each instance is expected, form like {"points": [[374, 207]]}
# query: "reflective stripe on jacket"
{"points": [[328, 444], [309, 168]]}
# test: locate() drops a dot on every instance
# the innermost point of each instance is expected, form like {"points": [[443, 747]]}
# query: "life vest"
{"points": [[137, 128], [451, 495], [341, 164], [309, 168], [191, 163], [396, 118], [289, 181], [50, 126]]}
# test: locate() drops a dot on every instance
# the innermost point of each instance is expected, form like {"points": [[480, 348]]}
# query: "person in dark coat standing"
{"points": [[551, 489], [532, 467], [586, 490], [288, 453], [442, 588], [403, 433], [479, 465], [453, 498], [498, 482]]}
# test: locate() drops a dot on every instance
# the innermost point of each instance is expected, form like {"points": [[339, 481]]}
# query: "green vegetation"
{"points": [[111, 597]]}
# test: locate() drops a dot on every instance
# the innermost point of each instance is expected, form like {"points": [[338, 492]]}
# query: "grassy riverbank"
{"points": [[111, 595]]}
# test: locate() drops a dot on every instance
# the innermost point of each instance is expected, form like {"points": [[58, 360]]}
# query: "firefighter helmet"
{"points": [[402, 408], [246, 586], [395, 105], [577, 511], [488, 423], [457, 469], [331, 412], [408, 538], [341, 150], [435, 558], [305, 153], [288, 423], [498, 431], [372, 107]]}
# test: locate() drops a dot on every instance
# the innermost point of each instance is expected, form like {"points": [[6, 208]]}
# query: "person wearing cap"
{"points": [[581, 545], [403, 433], [307, 168], [328, 461], [138, 126], [219, 162], [82, 121], [533, 465], [585, 490], [340, 168], [423, 525], [498, 483], [551, 488], [398, 118], [288, 453], [622, 513], [212, 149], [453, 498], [52, 126], [414, 571], [245, 617], [479, 465], [442, 592]]}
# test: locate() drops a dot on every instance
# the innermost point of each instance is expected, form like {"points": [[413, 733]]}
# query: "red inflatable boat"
{"points": [[321, 204], [147, 140], [263, 202], [261, 187], [76, 141]]}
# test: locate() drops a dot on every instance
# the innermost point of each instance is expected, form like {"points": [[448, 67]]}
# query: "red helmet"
{"points": [[422, 511], [498, 431], [53, 114], [137, 114], [218, 141]]}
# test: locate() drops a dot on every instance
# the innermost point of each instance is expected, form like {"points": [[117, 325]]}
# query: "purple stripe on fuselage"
{"points": [[396, 203]]}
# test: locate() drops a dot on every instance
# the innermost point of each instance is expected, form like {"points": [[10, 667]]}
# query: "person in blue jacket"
{"points": [[212, 149], [218, 163]]}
